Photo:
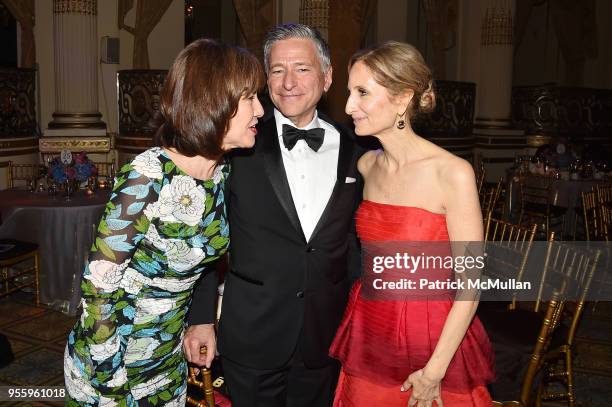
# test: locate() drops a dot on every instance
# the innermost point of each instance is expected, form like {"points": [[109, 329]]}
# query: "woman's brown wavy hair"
{"points": [[201, 94]]}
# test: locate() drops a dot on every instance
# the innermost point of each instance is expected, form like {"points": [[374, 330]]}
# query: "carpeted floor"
{"points": [[38, 335]]}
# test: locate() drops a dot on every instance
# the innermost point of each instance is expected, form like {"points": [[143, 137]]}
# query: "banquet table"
{"points": [[64, 231], [565, 193]]}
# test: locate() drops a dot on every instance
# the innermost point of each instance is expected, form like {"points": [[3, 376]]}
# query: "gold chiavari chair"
{"points": [[489, 199], [538, 201], [574, 269], [22, 172], [604, 201], [515, 241], [522, 335], [604, 193], [18, 253], [480, 175], [203, 386], [13, 253], [606, 222], [5, 164], [105, 169], [542, 342], [591, 216]]}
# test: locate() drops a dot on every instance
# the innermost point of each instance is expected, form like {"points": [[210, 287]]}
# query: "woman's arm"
{"points": [[464, 222], [110, 286]]}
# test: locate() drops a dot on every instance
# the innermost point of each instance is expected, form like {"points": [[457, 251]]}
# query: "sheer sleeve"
{"points": [[108, 300]]}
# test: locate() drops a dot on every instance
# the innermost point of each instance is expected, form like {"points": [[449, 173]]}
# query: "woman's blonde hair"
{"points": [[400, 67]]}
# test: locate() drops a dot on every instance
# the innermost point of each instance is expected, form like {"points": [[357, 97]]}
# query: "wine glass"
{"points": [[68, 189]]}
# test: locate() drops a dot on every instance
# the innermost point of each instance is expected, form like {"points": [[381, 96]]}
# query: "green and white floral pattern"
{"points": [[160, 232]]}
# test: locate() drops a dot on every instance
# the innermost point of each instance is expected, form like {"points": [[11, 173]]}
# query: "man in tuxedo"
{"points": [[291, 202]]}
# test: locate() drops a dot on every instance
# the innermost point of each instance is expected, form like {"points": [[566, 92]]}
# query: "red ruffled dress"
{"points": [[381, 341]]}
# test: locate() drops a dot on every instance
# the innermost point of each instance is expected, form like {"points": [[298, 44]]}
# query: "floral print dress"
{"points": [[161, 231]]}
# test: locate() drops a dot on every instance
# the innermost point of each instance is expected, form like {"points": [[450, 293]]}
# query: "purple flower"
{"points": [[80, 169]]}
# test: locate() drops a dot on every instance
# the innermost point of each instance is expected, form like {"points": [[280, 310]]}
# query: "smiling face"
{"points": [[242, 131], [373, 109], [295, 79]]}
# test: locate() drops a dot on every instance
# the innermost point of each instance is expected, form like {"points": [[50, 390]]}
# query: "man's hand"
{"points": [[196, 337]]}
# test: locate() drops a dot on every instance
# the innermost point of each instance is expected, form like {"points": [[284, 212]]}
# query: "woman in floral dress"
{"points": [[163, 228]]}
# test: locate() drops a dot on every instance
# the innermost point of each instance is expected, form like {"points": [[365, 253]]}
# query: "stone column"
{"points": [[76, 123], [496, 142], [495, 65]]}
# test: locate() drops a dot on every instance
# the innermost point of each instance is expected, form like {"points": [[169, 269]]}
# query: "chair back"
{"points": [[604, 193], [591, 216], [489, 199], [480, 175], [5, 164], [537, 189], [604, 202], [571, 269], [105, 169], [22, 172], [606, 222], [513, 245]]}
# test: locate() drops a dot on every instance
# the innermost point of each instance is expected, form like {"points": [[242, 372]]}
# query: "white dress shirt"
{"points": [[311, 175]]}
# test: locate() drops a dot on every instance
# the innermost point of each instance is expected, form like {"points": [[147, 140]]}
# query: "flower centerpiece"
{"points": [[79, 169]]}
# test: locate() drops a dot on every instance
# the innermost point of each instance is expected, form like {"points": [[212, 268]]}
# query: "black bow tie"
{"points": [[313, 137]]}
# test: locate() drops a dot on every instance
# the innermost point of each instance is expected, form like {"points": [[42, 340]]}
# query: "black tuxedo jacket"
{"points": [[280, 288]]}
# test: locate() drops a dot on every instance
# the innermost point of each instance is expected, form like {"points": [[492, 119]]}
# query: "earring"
{"points": [[401, 124]]}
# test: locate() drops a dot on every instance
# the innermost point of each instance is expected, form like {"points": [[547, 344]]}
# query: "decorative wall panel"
{"points": [[454, 113], [17, 102], [139, 92], [555, 110]]}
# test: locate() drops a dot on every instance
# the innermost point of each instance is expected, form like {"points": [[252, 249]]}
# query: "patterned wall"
{"points": [[556, 110], [454, 113], [17, 102], [139, 92]]}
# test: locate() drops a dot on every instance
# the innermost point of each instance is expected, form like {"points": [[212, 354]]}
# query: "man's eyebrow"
{"points": [[292, 63]]}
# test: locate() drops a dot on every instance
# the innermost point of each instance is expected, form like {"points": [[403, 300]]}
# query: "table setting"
{"points": [[59, 210], [569, 176]]}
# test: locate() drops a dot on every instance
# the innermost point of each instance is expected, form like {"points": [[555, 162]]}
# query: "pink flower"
{"points": [[70, 172], [80, 158]]}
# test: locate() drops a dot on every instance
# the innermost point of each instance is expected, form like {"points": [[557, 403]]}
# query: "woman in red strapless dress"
{"points": [[400, 351]]}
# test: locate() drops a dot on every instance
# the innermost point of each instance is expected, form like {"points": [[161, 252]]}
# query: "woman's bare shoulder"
{"points": [[454, 170]]}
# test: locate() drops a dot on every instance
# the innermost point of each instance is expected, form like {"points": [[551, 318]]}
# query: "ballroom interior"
{"points": [[523, 92]]}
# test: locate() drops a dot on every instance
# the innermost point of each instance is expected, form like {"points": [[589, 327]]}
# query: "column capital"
{"points": [[497, 26], [88, 7]]}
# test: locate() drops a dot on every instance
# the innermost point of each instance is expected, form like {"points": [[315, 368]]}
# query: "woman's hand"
{"points": [[425, 390]]}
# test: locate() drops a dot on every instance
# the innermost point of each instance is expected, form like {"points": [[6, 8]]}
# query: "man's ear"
{"points": [[328, 79]]}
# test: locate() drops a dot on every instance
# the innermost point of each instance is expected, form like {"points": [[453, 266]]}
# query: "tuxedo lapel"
{"points": [[345, 157], [273, 162]]}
